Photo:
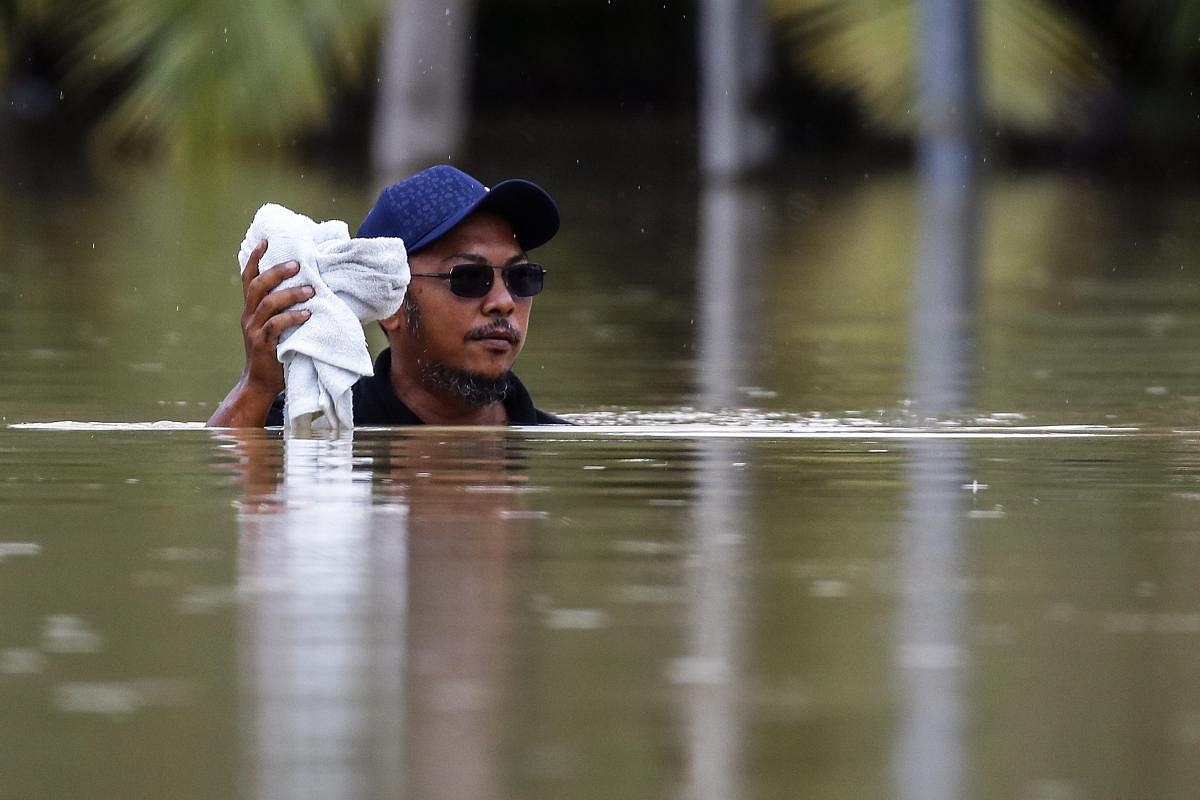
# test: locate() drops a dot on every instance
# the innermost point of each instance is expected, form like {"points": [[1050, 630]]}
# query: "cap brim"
{"points": [[532, 213]]}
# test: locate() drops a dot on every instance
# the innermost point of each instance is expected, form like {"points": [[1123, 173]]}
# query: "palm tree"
{"points": [[197, 74], [200, 74], [1037, 65]]}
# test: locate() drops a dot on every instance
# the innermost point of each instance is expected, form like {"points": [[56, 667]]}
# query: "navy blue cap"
{"points": [[422, 208]]}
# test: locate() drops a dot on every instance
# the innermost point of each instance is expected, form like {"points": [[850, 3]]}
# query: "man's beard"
{"points": [[470, 387]]}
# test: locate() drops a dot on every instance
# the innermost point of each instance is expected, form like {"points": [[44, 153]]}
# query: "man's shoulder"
{"points": [[375, 401], [546, 418], [521, 410]]}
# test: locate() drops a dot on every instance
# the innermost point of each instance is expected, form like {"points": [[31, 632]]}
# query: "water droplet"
{"points": [[578, 619], [829, 588]]}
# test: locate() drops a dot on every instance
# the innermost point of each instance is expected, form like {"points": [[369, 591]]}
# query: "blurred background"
{"points": [[779, 140], [1104, 85], [922, 274]]}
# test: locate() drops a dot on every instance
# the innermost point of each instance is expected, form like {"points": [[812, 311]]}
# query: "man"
{"points": [[464, 318]]}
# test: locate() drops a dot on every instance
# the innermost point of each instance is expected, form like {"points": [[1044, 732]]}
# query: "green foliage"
{"points": [[201, 75], [1170, 27], [1037, 65], [210, 73]]}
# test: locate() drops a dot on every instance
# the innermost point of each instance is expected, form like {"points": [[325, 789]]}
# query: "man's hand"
{"points": [[264, 319]]}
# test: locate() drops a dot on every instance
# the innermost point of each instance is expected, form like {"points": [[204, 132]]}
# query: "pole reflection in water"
{"points": [[931, 654], [732, 229], [379, 591], [467, 531], [730, 258], [711, 670]]}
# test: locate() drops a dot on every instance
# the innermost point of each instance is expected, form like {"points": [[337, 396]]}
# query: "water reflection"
{"points": [[931, 620], [468, 534], [715, 622], [930, 654], [375, 654], [544, 613], [326, 571], [730, 340], [943, 316], [731, 264]]}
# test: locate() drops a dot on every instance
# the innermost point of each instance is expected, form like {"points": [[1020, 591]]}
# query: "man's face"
{"points": [[479, 336]]}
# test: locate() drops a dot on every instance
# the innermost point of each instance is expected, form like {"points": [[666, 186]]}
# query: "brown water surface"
{"points": [[753, 570]]}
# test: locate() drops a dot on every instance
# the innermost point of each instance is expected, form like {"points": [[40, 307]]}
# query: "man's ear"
{"points": [[393, 323]]}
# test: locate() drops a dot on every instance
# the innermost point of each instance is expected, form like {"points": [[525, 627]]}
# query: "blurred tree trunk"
{"points": [[733, 52], [948, 79], [933, 622], [947, 155], [421, 106]]}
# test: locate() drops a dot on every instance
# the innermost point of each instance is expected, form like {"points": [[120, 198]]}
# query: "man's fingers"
{"points": [[274, 306], [268, 279], [265, 317], [251, 270], [278, 324], [276, 302], [262, 285]]}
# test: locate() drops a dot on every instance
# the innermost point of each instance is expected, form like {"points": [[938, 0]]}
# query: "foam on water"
{"points": [[73, 425], [735, 424], [752, 423]]}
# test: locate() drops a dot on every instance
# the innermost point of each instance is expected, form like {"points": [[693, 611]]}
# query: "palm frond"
{"points": [[1037, 65], [204, 74]]}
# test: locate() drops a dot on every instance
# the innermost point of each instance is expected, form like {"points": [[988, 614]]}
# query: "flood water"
{"points": [[754, 569]]}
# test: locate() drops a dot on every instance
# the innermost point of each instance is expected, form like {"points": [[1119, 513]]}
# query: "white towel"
{"points": [[356, 281]]}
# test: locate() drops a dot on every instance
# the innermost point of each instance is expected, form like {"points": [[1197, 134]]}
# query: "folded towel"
{"points": [[356, 281]]}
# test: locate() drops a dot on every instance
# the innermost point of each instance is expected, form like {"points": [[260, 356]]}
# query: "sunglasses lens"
{"points": [[525, 281], [470, 280], [475, 280]]}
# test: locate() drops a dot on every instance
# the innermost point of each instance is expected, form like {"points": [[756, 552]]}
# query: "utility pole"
{"points": [[933, 618], [947, 170], [734, 49], [421, 105]]}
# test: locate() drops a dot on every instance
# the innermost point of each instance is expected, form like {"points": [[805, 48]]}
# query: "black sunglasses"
{"points": [[475, 280]]}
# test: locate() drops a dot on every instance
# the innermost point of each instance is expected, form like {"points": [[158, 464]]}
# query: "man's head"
{"points": [[423, 208], [458, 337]]}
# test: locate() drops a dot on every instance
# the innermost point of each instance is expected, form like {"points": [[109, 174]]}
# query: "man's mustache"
{"points": [[501, 328]]}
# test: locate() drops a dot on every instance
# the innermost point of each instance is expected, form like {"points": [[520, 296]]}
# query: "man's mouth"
{"points": [[503, 333]]}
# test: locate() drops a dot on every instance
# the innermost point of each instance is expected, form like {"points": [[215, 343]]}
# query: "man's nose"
{"points": [[499, 300]]}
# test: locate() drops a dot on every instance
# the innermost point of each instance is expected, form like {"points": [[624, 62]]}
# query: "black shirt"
{"points": [[376, 403]]}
